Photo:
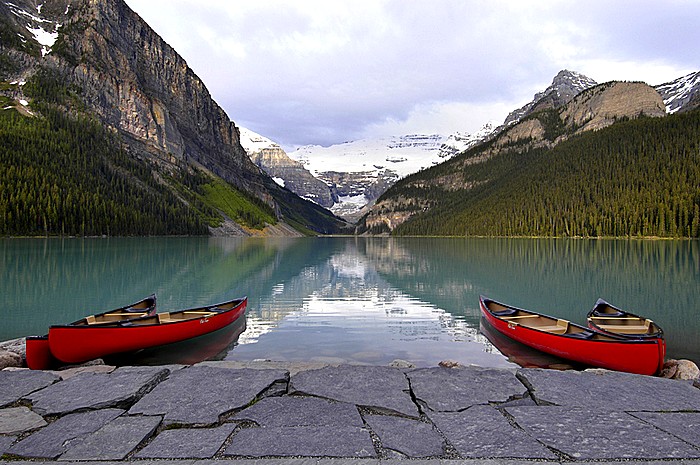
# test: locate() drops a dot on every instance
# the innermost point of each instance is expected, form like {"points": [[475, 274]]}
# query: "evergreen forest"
{"points": [[63, 173], [636, 178]]}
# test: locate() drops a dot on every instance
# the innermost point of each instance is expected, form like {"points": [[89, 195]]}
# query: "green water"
{"points": [[366, 300]]}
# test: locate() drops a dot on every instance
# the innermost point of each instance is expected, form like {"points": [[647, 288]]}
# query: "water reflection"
{"points": [[365, 300], [342, 310]]}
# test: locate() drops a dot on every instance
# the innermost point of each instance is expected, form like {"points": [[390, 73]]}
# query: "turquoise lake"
{"points": [[352, 300]]}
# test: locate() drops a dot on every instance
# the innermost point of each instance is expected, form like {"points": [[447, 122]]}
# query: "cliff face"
{"points": [[134, 82], [603, 105], [139, 84]]}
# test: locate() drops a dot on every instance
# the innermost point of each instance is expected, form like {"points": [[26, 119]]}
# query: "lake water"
{"points": [[354, 300]]}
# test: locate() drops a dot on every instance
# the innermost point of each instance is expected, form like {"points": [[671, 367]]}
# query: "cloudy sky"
{"points": [[327, 71]]}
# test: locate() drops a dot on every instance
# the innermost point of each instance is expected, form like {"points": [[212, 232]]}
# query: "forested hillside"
{"points": [[63, 173], [635, 178]]}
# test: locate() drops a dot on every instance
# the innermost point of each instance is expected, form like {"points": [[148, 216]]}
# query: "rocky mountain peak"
{"points": [[565, 86], [286, 172]]}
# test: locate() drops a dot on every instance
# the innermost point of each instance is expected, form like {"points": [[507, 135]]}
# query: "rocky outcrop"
{"points": [[680, 369], [272, 159], [292, 175], [605, 104]]}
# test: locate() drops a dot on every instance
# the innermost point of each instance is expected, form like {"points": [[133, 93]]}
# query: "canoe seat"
{"points": [[90, 320], [126, 315], [615, 313], [517, 317], [628, 329], [554, 329], [506, 312], [164, 318]]}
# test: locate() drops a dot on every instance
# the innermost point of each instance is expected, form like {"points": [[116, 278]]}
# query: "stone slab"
{"points": [[411, 438], [454, 389], [382, 388], [483, 432], [684, 425], [118, 389], [589, 434], [293, 367], [114, 441], [301, 411], [52, 441], [15, 384], [184, 443], [611, 390], [18, 420], [305, 441], [5, 443], [200, 394]]}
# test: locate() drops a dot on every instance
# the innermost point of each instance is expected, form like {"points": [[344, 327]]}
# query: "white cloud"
{"points": [[442, 118], [328, 71]]}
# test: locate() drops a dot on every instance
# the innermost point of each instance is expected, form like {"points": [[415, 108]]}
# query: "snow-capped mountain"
{"points": [[360, 171], [356, 173], [681, 94], [459, 142]]}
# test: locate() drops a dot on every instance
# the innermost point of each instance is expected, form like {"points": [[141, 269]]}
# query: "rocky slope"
{"points": [[286, 172], [134, 82], [565, 86]]}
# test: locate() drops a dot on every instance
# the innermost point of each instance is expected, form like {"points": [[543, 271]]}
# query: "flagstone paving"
{"points": [[213, 413]]}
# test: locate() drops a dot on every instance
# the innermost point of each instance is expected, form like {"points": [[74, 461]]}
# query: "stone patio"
{"points": [[268, 414]]}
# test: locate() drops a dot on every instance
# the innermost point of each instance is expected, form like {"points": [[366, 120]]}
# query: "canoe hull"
{"points": [[78, 344], [38, 353], [632, 356]]}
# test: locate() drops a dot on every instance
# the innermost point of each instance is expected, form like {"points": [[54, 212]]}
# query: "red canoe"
{"points": [[574, 342], [78, 344], [38, 353]]}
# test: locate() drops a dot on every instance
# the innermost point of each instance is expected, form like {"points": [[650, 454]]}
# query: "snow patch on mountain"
{"points": [[253, 142], [677, 93], [44, 31]]}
